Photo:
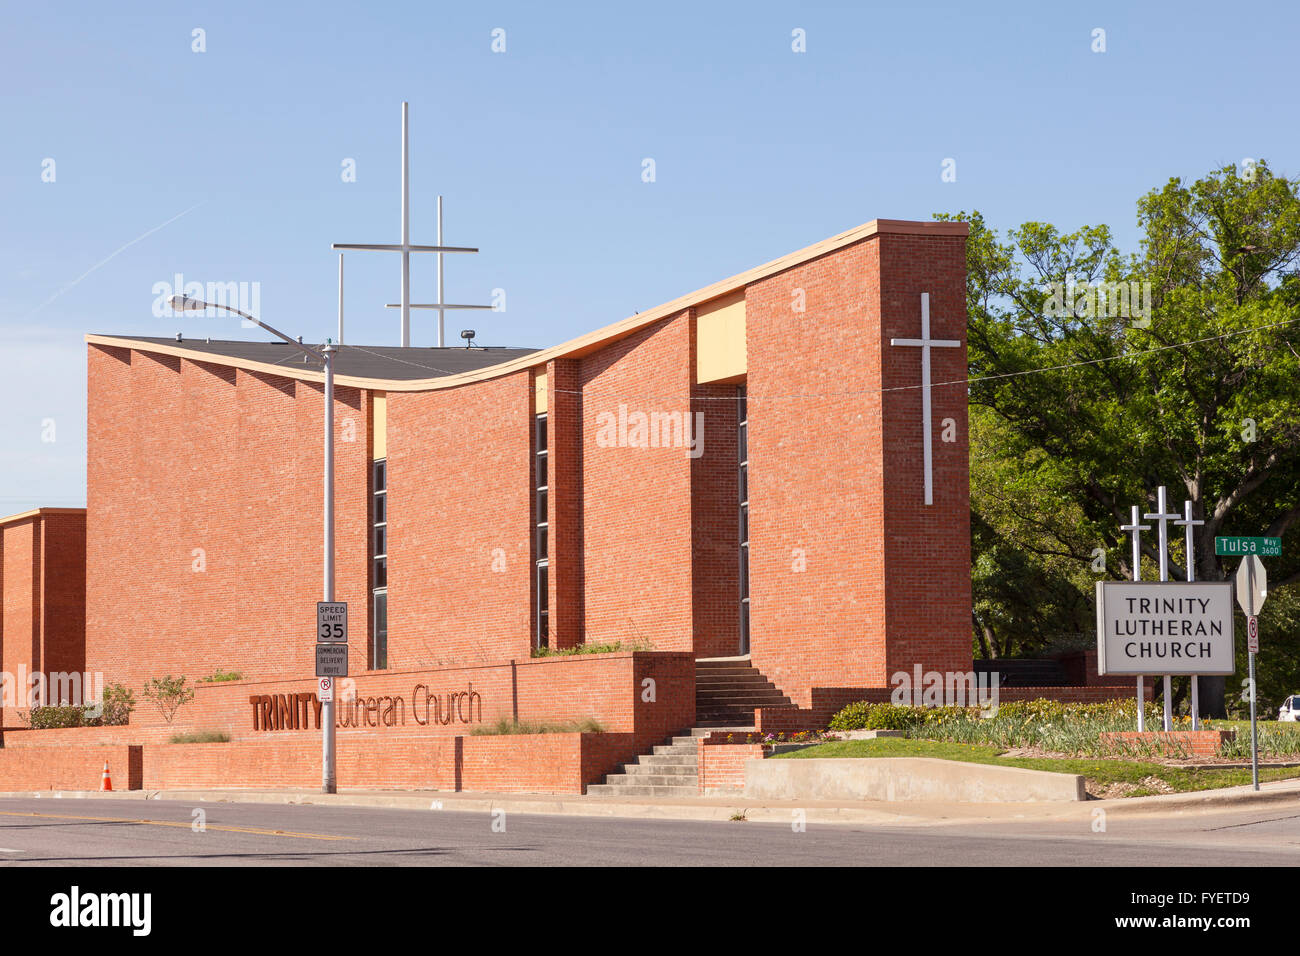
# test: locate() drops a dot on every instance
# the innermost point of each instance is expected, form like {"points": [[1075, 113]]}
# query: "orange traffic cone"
{"points": [[107, 782]]}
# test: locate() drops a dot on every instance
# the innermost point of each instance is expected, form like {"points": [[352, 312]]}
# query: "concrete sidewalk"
{"points": [[1284, 793]]}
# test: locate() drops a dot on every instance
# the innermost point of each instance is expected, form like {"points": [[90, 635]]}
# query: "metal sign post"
{"points": [[1252, 589], [328, 781], [1189, 525], [1135, 528], [1162, 517]]}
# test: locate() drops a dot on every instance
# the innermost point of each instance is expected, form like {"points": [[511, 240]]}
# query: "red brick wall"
{"points": [[535, 763], [20, 565], [609, 688], [836, 470], [565, 549], [715, 530], [63, 591], [1178, 743], [69, 768], [458, 502], [636, 507], [42, 600], [721, 765], [190, 462]]}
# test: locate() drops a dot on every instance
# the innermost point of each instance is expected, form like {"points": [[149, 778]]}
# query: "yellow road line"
{"points": [[174, 823]]}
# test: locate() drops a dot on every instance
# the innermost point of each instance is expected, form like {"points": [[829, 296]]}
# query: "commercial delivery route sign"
{"points": [[1152, 627]]}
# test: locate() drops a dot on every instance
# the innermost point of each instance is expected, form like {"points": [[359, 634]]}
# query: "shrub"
{"points": [[50, 717], [114, 709], [221, 677], [168, 694], [505, 725], [638, 644], [867, 716], [116, 706], [200, 737]]}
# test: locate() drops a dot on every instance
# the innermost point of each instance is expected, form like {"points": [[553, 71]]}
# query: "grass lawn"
{"points": [[1100, 773]]}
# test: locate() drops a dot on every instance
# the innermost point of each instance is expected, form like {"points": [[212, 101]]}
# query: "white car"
{"points": [[1290, 709]]}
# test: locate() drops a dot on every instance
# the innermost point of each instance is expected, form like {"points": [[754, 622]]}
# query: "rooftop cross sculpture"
{"points": [[925, 343], [404, 247], [440, 305]]}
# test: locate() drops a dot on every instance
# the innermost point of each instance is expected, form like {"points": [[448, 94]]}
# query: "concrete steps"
{"points": [[727, 691]]}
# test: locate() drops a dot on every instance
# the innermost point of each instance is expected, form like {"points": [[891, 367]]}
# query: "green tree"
{"points": [[1081, 407]]}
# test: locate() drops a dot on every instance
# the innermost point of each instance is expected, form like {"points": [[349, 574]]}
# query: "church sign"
{"points": [[1152, 627]]}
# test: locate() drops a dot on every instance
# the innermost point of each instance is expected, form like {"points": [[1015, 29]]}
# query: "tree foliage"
{"points": [[1081, 405]]}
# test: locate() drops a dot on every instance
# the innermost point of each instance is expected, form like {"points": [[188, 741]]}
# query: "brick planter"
{"points": [[1174, 743]]}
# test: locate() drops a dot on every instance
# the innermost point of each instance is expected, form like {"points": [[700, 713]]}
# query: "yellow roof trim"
{"points": [[37, 512], [574, 348]]}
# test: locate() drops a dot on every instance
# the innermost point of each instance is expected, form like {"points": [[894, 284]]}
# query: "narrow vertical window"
{"points": [[742, 448], [541, 563], [379, 565]]}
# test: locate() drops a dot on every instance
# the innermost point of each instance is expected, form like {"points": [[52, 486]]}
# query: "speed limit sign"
{"points": [[331, 622]]}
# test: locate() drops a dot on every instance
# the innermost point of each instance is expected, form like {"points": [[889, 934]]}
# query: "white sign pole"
{"points": [[1162, 519], [1188, 523], [1135, 528]]}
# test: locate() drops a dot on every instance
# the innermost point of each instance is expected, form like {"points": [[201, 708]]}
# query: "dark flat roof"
{"points": [[361, 361]]}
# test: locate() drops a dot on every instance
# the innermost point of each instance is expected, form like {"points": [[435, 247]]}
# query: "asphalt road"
{"points": [[48, 832]]}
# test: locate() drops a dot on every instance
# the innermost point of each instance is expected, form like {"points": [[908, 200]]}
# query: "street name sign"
{"points": [[1169, 627], [331, 660], [332, 622], [1240, 547]]}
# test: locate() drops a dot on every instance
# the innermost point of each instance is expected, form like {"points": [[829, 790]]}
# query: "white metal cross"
{"points": [[925, 343], [1136, 530], [440, 305], [1189, 523], [1162, 518], [404, 247]]}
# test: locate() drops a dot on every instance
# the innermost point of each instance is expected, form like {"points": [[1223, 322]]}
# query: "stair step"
{"points": [[638, 781], [658, 770], [609, 790], [668, 760]]}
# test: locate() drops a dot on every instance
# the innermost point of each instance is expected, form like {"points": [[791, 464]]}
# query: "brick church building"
{"points": [[732, 488]]}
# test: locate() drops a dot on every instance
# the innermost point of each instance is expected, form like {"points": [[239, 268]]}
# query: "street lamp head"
{"points": [[183, 303]]}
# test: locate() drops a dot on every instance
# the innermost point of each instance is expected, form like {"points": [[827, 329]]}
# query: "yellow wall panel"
{"points": [[720, 339]]}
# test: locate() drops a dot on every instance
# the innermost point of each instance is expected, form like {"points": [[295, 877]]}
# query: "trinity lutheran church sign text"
{"points": [[1164, 628], [302, 711]]}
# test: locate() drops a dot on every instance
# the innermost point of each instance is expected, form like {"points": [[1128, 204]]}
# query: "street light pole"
{"points": [[324, 355], [328, 778]]}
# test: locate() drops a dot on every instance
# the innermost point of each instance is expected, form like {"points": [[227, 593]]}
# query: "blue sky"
{"points": [[758, 151]]}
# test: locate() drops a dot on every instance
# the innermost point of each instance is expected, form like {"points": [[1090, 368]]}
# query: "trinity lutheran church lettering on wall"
{"points": [[1164, 628], [298, 711]]}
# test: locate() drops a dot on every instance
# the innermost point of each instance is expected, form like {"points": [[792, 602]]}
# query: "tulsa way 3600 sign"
{"points": [[1164, 628]]}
